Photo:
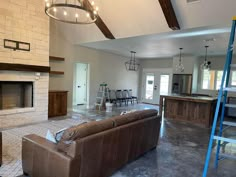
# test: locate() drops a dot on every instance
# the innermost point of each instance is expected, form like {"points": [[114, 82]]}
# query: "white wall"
{"points": [[104, 67]]}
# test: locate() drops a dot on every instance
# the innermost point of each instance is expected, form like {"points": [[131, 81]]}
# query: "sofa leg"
{"points": [[154, 148], [26, 174]]}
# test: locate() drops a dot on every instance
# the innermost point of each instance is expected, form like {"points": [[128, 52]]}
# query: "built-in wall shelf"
{"points": [[57, 72], [56, 59], [53, 58]]}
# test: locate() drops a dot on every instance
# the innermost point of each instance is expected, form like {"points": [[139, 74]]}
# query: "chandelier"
{"points": [[72, 11], [180, 66], [206, 65], [132, 65]]}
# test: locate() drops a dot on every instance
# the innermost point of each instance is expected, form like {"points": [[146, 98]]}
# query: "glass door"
{"points": [[154, 85]]}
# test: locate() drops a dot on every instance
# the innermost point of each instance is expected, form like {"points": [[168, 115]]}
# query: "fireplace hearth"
{"points": [[16, 94]]}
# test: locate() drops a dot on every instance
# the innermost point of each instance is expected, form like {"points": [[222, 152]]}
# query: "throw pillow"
{"points": [[50, 137], [126, 112], [67, 136]]}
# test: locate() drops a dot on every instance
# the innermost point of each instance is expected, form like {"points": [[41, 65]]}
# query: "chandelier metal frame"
{"points": [[206, 65], [132, 65], [50, 5], [180, 66]]}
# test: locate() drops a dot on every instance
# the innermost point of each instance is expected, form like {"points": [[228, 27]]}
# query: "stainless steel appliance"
{"points": [[182, 84]]}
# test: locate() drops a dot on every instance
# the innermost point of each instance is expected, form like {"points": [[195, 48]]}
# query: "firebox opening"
{"points": [[15, 94]]}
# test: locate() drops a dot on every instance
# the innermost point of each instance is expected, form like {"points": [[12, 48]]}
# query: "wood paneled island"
{"points": [[199, 110]]}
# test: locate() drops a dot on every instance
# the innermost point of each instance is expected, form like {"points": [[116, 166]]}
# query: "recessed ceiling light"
{"points": [[210, 40]]}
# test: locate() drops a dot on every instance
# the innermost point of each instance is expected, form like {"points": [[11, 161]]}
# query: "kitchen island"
{"points": [[196, 109]]}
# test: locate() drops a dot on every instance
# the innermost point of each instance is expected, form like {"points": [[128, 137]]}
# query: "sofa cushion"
{"points": [[147, 113], [134, 116], [81, 131]]}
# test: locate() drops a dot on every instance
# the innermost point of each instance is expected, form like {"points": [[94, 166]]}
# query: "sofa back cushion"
{"points": [[134, 116], [84, 130], [81, 131]]}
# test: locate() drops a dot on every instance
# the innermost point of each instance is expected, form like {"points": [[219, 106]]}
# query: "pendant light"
{"points": [[206, 65], [180, 66], [132, 65], [72, 11]]}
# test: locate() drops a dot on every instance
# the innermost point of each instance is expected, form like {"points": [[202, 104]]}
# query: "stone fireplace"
{"points": [[24, 93]]}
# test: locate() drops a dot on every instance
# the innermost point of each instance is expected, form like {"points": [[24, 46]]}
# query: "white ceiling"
{"points": [[167, 45], [129, 18], [141, 26]]}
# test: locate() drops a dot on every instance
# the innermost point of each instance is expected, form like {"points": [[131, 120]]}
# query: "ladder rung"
{"points": [[229, 123], [230, 89], [228, 156], [225, 139], [230, 105]]}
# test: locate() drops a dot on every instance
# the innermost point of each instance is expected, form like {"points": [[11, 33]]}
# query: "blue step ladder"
{"points": [[223, 92]]}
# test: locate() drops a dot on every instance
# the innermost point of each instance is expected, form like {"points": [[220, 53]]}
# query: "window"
{"points": [[164, 84], [211, 80], [149, 86], [233, 79], [218, 79]]}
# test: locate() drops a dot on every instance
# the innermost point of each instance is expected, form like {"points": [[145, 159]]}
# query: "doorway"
{"points": [[80, 84], [155, 82]]}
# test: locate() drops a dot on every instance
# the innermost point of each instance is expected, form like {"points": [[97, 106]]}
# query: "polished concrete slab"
{"points": [[180, 153]]}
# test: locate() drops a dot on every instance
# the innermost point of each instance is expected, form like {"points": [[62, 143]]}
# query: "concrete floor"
{"points": [[180, 153]]}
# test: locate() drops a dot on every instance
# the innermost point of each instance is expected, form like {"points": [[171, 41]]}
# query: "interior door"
{"points": [[155, 84], [81, 83]]}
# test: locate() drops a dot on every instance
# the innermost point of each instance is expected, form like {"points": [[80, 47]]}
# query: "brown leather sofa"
{"points": [[94, 149]]}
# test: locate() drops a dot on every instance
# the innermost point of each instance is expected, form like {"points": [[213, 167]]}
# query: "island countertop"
{"points": [[190, 98], [195, 109]]}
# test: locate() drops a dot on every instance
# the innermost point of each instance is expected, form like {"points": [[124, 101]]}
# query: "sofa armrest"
{"points": [[41, 158]]}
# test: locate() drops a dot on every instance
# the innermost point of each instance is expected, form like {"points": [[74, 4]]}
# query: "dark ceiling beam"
{"points": [[169, 13], [104, 29], [99, 22]]}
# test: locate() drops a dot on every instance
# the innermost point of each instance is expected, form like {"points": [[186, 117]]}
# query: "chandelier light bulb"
{"points": [[95, 12], [65, 13], [92, 3], [46, 0], [88, 15], [48, 4], [97, 8], [54, 9], [76, 15]]}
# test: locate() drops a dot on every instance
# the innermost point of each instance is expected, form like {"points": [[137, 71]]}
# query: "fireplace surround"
{"points": [[26, 98], [16, 94]]}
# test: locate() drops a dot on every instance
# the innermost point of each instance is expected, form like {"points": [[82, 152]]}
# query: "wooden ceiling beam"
{"points": [[99, 22], [169, 13]]}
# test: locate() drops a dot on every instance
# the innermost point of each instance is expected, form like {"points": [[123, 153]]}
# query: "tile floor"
{"points": [[180, 153]]}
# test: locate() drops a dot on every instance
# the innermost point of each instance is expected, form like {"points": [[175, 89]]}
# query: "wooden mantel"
{"points": [[21, 67]]}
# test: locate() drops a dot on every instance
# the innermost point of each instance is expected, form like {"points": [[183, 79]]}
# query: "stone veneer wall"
{"points": [[25, 20]]}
